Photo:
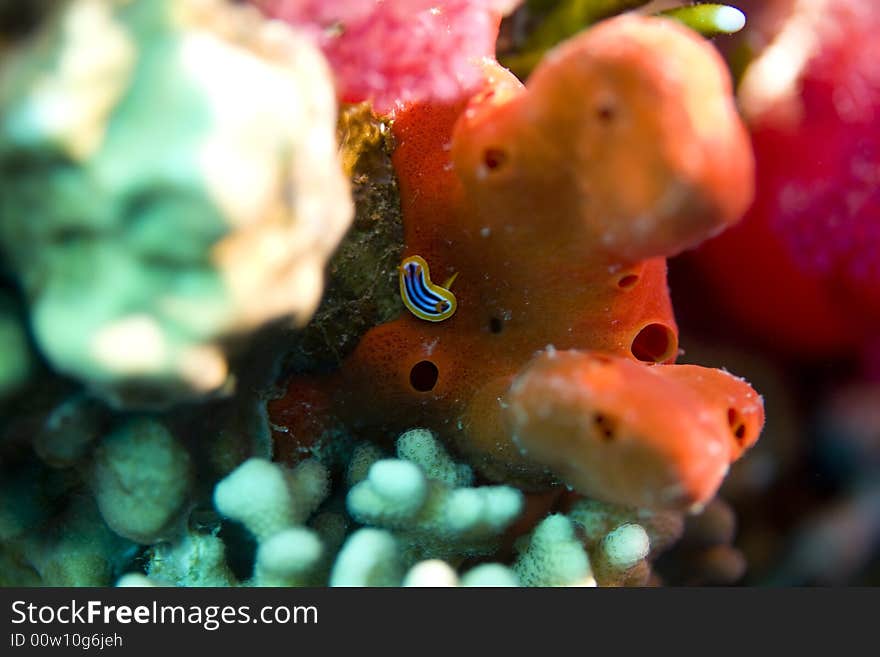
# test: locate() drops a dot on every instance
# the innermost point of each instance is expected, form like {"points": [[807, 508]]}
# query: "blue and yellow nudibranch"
{"points": [[424, 299]]}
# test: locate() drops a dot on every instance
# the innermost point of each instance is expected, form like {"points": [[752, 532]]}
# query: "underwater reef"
{"points": [[302, 293]]}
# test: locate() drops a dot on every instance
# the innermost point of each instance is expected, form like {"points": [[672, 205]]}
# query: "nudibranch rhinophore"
{"points": [[558, 204]]}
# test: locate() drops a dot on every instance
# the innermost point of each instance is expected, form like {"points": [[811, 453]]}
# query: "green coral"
{"points": [[490, 574], [288, 558], [427, 501], [437, 573], [141, 477], [427, 522], [621, 541], [369, 557], [553, 556], [148, 213], [414, 520], [273, 503], [268, 498]]}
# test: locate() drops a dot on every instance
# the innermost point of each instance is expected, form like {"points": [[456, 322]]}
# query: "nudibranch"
{"points": [[558, 203], [424, 299]]}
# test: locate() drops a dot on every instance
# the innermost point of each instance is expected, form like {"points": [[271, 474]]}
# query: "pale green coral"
{"points": [[436, 573], [553, 556], [427, 518], [598, 519], [626, 545], [273, 503], [432, 517], [431, 573], [51, 532], [420, 447], [392, 494], [622, 540], [141, 477], [288, 558], [370, 557], [169, 180], [130, 580], [268, 498], [489, 574], [363, 457]]}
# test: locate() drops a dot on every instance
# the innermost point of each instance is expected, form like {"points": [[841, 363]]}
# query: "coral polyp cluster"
{"points": [[554, 205], [423, 523]]}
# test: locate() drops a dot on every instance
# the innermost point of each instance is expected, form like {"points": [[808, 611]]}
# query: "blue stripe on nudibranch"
{"points": [[413, 289], [423, 298], [419, 293], [417, 299], [424, 294]]}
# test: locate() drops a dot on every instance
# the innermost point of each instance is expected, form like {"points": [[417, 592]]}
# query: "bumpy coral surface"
{"points": [[168, 181], [421, 524], [555, 205], [812, 100], [397, 51]]}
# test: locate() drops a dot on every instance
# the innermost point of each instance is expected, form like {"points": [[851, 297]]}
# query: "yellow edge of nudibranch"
{"points": [[436, 289]]}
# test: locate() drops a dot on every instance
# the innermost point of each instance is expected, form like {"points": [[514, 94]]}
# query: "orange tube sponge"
{"points": [[615, 430], [627, 133], [727, 396]]}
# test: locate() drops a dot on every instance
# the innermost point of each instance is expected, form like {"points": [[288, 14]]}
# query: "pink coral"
{"points": [[398, 51], [812, 101]]}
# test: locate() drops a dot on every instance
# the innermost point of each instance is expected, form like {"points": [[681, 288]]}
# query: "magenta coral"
{"points": [[398, 51], [812, 101]]}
